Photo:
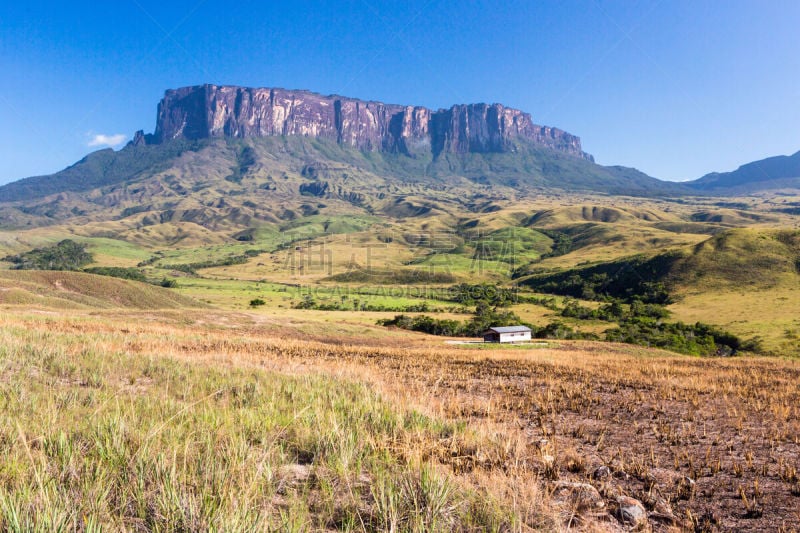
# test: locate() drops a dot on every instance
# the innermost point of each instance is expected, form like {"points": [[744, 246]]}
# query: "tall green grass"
{"points": [[93, 440]]}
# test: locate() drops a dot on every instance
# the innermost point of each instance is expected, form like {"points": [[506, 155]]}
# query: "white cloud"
{"points": [[107, 140]]}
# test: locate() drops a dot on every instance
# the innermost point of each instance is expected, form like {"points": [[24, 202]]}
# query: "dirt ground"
{"points": [[705, 444]]}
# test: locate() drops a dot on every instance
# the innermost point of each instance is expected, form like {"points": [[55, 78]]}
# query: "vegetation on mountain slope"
{"points": [[65, 255], [631, 278], [742, 258], [133, 274], [269, 161], [747, 257], [100, 169]]}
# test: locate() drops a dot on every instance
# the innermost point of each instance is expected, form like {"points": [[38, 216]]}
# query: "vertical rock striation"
{"points": [[207, 111]]}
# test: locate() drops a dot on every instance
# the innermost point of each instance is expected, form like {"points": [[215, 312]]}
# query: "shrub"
{"points": [[627, 279], [467, 294], [398, 277], [558, 330], [118, 272], [485, 317], [66, 255], [425, 324], [191, 268], [614, 311], [692, 339]]}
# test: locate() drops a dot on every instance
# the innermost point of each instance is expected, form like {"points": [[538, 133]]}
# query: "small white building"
{"points": [[507, 334]]}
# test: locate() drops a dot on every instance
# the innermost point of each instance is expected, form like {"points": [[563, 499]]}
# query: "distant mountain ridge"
{"points": [[771, 173], [209, 111]]}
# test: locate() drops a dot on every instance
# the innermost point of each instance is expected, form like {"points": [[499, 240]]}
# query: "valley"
{"points": [[721, 256]]}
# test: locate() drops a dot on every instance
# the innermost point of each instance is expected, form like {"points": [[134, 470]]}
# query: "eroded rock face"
{"points": [[225, 111]]}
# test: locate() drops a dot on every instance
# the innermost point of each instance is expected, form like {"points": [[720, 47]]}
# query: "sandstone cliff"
{"points": [[225, 111]]}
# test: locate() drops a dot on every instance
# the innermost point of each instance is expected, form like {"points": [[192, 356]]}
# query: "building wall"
{"points": [[515, 337]]}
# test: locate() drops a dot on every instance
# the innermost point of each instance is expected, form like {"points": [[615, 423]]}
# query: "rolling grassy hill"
{"points": [[746, 280], [742, 257], [77, 290]]}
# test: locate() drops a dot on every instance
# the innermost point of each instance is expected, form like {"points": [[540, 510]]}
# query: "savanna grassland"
{"points": [[227, 371], [190, 420], [727, 255], [156, 427]]}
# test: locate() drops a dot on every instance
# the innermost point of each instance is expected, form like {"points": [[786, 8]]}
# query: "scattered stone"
{"points": [[661, 510], [662, 506], [601, 473], [578, 495], [618, 470], [631, 511]]}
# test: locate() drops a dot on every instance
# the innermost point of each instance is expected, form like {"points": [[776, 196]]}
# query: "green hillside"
{"points": [[746, 281], [741, 258], [99, 169], [757, 259]]}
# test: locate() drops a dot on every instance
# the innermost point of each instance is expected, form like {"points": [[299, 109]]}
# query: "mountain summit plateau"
{"points": [[209, 111]]}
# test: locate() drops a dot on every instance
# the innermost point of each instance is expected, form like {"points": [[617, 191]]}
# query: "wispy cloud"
{"points": [[107, 140]]}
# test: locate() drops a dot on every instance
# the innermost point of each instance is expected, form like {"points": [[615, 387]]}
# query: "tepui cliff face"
{"points": [[207, 111]]}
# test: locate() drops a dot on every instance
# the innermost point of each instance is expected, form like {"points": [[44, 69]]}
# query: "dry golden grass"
{"points": [[107, 425], [71, 290], [711, 444]]}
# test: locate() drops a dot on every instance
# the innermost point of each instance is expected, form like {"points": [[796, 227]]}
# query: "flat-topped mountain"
{"points": [[292, 144], [208, 111]]}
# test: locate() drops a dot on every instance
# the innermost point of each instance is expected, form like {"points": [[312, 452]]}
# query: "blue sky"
{"points": [[674, 88]]}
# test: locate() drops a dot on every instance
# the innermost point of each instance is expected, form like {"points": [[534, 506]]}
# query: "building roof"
{"points": [[509, 329]]}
